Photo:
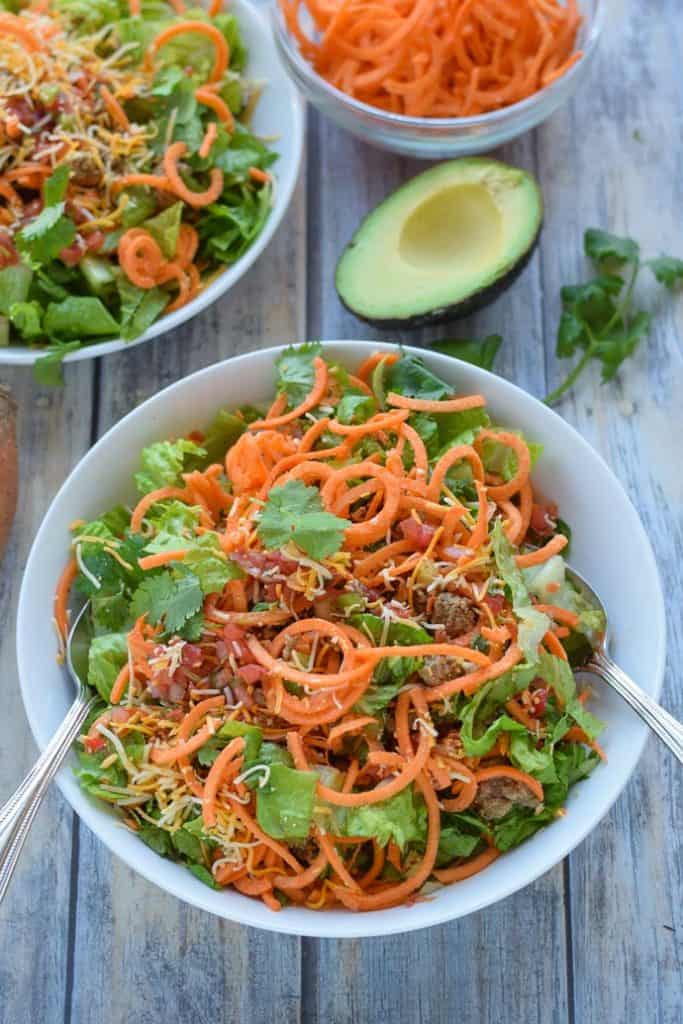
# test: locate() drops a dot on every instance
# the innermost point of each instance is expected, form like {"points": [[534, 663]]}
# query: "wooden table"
{"points": [[600, 937]]}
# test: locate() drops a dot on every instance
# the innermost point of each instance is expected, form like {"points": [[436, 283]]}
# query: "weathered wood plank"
{"points": [[54, 431], [625, 880], [470, 965], [140, 954]]}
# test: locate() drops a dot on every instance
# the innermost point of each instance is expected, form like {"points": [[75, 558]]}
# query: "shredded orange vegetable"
{"points": [[424, 59]]}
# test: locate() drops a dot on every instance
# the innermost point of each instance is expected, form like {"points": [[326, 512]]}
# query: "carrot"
{"points": [[365, 369], [120, 684], [203, 28], [168, 755], [61, 601], [208, 140], [388, 789], [375, 654], [360, 534], [162, 494], [398, 893], [506, 771], [553, 547], [257, 175], [313, 398], [407, 58], [289, 883], [9, 466], [434, 405], [114, 108], [563, 615], [501, 491], [192, 719], [553, 644], [216, 776], [174, 152], [12, 25], [472, 681], [157, 181], [350, 726], [162, 558], [208, 98], [336, 863], [465, 870]]}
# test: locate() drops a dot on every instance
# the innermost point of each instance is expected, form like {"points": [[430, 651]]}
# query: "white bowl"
{"points": [[610, 547], [278, 116]]}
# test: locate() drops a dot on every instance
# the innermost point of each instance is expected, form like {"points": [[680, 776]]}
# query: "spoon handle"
{"points": [[17, 814], [660, 721]]}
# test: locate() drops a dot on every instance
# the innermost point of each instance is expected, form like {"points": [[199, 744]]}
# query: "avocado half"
{"points": [[444, 244]]}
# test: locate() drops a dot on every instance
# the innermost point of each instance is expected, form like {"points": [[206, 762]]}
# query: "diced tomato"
{"points": [[74, 253], [233, 633], [496, 602], [539, 702], [192, 656], [121, 714], [543, 519], [93, 743], [418, 534], [251, 674], [94, 241]]}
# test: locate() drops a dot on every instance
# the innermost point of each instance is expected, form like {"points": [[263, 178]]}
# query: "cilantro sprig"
{"points": [[294, 512], [598, 318]]}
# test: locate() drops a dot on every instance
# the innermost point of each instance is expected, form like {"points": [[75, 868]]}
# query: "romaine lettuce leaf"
{"points": [[107, 655], [284, 806], [402, 818], [163, 462]]}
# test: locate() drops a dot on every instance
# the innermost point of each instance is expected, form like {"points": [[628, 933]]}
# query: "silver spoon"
{"points": [[599, 662], [17, 814]]}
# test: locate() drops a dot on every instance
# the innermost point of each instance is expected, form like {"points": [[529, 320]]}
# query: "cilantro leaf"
{"points": [[294, 512], [44, 237], [597, 316], [479, 353], [54, 189], [296, 372], [410, 377], [603, 247], [168, 599], [667, 269]]}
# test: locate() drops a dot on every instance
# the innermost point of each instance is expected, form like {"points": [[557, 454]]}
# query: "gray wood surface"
{"points": [[600, 937]]}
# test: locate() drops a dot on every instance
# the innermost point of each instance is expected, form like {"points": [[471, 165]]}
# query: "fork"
{"points": [[17, 814]]}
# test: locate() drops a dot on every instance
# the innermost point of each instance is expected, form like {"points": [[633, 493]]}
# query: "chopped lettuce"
{"points": [[460, 836], [227, 732], [483, 718], [284, 806], [163, 462], [165, 228], [79, 316], [107, 655], [533, 624], [15, 282], [401, 819], [410, 377], [140, 307], [220, 435]]}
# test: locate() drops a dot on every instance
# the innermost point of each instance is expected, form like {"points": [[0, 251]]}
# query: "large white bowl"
{"points": [[278, 116], [609, 546]]}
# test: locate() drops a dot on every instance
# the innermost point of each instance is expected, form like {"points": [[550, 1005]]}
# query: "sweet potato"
{"points": [[9, 469]]}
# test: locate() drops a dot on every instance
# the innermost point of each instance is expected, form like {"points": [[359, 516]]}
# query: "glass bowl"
{"points": [[439, 137]]}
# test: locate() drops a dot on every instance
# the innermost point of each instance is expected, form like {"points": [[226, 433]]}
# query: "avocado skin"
{"points": [[459, 310]]}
